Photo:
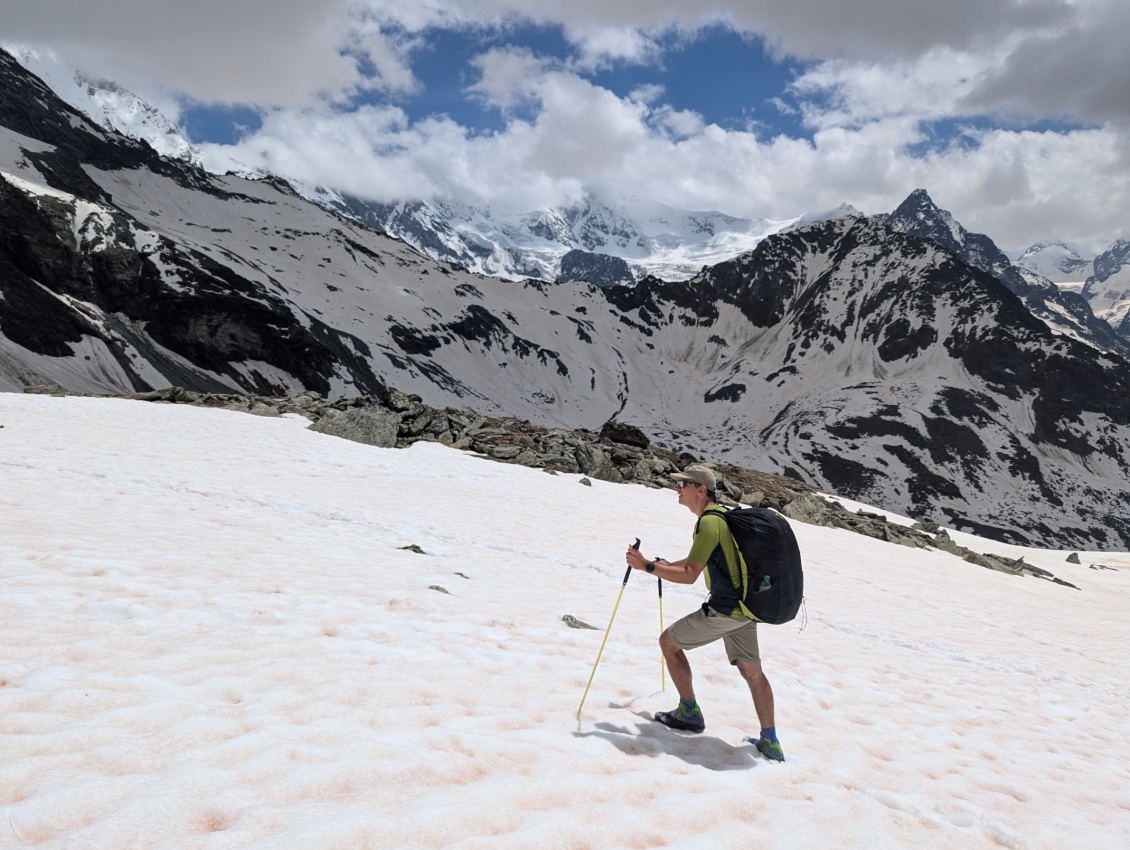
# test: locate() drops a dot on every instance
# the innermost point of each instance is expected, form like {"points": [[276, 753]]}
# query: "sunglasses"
{"points": [[682, 484]]}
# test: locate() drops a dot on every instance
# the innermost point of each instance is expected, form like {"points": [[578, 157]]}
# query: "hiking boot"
{"points": [[770, 749], [681, 719]]}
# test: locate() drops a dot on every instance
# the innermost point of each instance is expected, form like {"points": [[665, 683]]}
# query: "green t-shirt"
{"points": [[714, 546]]}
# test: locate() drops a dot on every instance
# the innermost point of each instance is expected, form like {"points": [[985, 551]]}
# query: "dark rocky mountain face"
{"points": [[889, 366], [919, 216], [869, 362], [598, 269], [1066, 312], [1111, 261], [81, 287]]}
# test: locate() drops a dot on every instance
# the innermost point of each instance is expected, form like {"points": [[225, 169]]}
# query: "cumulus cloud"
{"points": [[283, 52], [1081, 71], [649, 93], [287, 51], [509, 77], [876, 75], [841, 93], [582, 137]]}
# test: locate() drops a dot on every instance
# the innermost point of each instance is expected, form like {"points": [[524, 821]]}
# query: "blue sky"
{"points": [[1014, 114], [729, 79]]}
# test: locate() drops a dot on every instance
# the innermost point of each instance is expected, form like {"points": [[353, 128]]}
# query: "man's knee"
{"points": [[751, 672], [666, 644]]}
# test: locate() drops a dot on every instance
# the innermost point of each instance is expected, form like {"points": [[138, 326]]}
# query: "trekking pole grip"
{"points": [[627, 574]]}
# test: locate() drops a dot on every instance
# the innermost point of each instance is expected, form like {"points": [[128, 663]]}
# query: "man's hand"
{"points": [[635, 558]]}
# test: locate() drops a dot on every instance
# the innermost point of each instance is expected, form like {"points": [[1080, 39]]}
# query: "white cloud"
{"points": [[284, 52], [508, 77], [882, 68], [597, 45], [647, 94], [677, 123], [841, 93], [1022, 187], [1017, 186]]}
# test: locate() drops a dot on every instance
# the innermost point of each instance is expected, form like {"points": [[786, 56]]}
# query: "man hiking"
{"points": [[714, 551]]}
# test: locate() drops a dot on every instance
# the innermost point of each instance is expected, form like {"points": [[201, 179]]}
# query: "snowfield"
{"points": [[213, 638]]}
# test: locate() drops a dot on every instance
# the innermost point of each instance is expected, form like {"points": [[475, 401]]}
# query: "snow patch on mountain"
{"points": [[1057, 262]]}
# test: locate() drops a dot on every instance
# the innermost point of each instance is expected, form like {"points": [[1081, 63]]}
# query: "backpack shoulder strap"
{"points": [[717, 510]]}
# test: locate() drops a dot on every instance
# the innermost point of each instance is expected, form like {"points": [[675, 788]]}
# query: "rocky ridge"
{"points": [[619, 454], [1063, 311]]}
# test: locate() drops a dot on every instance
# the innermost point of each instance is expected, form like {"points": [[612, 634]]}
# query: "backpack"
{"points": [[768, 551]]}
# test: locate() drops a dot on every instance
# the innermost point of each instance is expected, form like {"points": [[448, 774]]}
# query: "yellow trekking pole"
{"points": [[662, 663], [627, 575]]}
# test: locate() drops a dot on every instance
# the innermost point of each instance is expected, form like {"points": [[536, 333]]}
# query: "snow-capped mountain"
{"points": [[1065, 312], [872, 363], [1108, 289], [1103, 282], [1059, 263], [643, 239], [608, 242], [108, 104]]}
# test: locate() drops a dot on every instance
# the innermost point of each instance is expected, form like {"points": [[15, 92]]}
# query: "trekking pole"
{"points": [[662, 662], [627, 575]]}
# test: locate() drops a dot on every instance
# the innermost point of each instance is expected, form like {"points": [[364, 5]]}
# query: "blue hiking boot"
{"points": [[683, 719], [770, 749]]}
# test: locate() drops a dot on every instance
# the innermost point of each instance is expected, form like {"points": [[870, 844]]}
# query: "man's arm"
{"points": [[684, 571]]}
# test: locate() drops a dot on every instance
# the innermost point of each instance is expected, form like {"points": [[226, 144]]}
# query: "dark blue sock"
{"points": [[769, 734]]}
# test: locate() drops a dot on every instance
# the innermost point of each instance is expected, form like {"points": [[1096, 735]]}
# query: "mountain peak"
{"points": [[918, 215], [108, 104], [918, 201]]}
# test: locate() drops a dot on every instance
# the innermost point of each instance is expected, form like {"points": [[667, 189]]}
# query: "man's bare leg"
{"points": [[677, 665], [759, 688]]}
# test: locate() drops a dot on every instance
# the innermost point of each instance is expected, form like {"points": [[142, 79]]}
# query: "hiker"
{"points": [[715, 551]]}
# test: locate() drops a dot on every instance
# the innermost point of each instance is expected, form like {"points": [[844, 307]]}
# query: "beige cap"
{"points": [[699, 474]]}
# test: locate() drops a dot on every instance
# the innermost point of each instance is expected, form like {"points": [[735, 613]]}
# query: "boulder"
{"points": [[943, 541], [810, 508], [399, 401], [48, 389], [573, 623], [629, 435], [373, 427]]}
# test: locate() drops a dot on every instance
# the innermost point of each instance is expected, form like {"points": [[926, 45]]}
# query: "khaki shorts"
{"points": [[706, 626]]}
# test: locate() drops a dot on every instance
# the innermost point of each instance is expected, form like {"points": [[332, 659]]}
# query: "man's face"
{"points": [[690, 494]]}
